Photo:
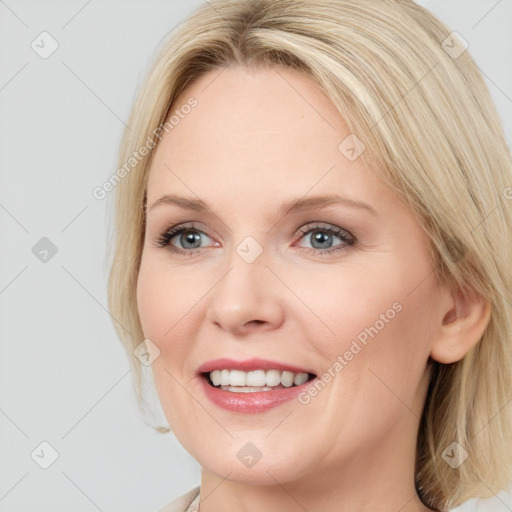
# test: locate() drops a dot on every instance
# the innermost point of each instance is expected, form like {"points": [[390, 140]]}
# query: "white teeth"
{"points": [[245, 389], [224, 377], [300, 378], [215, 376], [273, 378], [237, 378], [287, 379], [257, 379]]}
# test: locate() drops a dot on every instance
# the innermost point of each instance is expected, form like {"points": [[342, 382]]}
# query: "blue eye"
{"points": [[189, 237], [317, 235]]}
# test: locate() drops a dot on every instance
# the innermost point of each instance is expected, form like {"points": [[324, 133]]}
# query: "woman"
{"points": [[337, 335]]}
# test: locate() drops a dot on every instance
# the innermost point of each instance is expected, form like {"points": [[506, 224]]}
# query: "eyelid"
{"points": [[163, 239], [311, 226]]}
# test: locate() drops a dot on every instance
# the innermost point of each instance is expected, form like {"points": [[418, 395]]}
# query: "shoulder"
{"points": [[184, 502]]}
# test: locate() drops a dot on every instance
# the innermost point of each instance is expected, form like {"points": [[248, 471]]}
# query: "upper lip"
{"points": [[248, 365]]}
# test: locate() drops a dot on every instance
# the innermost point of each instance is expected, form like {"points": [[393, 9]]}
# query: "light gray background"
{"points": [[64, 375]]}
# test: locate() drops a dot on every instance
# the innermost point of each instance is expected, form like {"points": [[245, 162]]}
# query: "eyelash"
{"points": [[164, 239]]}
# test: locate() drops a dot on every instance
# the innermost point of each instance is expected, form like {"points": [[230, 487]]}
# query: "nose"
{"points": [[247, 298]]}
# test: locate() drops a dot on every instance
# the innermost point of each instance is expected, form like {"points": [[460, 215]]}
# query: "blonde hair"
{"points": [[431, 131]]}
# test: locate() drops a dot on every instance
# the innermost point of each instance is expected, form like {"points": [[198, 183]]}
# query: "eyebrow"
{"points": [[293, 205]]}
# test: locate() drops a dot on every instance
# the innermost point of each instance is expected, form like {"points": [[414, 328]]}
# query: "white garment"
{"points": [[188, 502]]}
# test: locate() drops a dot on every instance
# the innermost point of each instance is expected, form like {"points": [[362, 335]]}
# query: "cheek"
{"points": [[169, 302], [349, 300], [162, 311], [164, 297], [389, 373], [377, 318], [150, 299]]}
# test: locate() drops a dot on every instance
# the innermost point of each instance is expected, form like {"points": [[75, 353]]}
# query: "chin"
{"points": [[256, 463]]}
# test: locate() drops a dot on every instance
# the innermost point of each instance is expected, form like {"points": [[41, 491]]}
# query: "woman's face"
{"points": [[340, 289]]}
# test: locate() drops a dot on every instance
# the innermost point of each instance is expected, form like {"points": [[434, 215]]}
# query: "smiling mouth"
{"points": [[273, 381]]}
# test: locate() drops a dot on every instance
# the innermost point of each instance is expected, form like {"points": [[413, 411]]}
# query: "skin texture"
{"points": [[257, 138]]}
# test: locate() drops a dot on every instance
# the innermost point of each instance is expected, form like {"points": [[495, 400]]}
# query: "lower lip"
{"points": [[258, 401]]}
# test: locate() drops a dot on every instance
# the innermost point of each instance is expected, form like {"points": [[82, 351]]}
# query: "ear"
{"points": [[465, 316]]}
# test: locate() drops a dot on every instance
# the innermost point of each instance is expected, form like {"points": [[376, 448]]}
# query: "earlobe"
{"points": [[462, 326]]}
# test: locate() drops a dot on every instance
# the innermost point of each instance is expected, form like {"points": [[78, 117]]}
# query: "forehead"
{"points": [[253, 133]]}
